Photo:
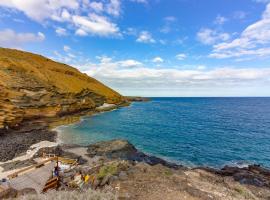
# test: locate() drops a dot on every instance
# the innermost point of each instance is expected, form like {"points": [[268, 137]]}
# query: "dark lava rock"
{"points": [[57, 150], [251, 175], [122, 149], [112, 149]]}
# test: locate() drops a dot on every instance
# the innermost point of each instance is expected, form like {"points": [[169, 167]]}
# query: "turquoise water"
{"points": [[191, 131]]}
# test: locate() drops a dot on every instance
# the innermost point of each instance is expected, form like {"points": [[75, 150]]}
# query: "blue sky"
{"points": [[150, 47]]}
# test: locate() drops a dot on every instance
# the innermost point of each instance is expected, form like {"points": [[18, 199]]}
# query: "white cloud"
{"points": [[65, 15], [72, 13], [181, 56], [130, 63], [97, 6], [33, 9], [114, 7], [208, 36], [81, 32], [220, 20], [94, 25], [61, 31], [201, 67], [130, 31], [104, 59], [168, 26], [10, 38], [71, 55], [145, 37], [139, 1], [170, 19], [66, 48], [108, 61], [40, 37], [254, 40], [62, 58], [157, 60]]}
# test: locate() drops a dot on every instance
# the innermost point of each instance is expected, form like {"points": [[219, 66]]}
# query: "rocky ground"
{"points": [[17, 141], [134, 175]]}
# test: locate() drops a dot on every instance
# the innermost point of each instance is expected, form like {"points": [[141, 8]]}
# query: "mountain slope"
{"points": [[34, 86]]}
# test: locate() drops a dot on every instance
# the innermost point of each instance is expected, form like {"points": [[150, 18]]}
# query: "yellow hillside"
{"points": [[34, 86], [50, 73]]}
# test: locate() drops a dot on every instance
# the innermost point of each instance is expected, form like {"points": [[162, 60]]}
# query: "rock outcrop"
{"points": [[252, 175], [123, 150], [115, 168], [138, 99], [32, 86]]}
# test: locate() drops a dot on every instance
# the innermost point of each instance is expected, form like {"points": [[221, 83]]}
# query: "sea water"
{"points": [[191, 131]]}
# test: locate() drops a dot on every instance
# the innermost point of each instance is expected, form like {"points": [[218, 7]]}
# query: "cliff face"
{"points": [[34, 86]]}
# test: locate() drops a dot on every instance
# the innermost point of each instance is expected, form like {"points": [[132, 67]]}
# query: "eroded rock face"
{"points": [[33, 86]]}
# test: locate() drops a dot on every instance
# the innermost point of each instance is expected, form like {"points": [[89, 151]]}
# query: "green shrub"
{"points": [[107, 170]]}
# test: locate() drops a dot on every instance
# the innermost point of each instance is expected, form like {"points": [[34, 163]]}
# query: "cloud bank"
{"points": [[147, 81]]}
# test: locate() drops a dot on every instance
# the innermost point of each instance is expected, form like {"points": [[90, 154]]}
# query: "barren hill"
{"points": [[34, 86]]}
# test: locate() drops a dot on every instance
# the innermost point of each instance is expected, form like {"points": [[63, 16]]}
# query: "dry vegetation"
{"points": [[73, 195]]}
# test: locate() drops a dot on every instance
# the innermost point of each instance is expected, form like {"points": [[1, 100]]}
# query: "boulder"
{"points": [[112, 149], [105, 180]]}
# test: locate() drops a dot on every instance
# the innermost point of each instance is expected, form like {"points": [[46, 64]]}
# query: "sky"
{"points": [[176, 48]]}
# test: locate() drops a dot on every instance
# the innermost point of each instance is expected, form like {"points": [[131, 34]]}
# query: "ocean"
{"points": [[191, 131]]}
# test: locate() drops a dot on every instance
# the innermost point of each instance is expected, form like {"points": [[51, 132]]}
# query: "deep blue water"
{"points": [[191, 131]]}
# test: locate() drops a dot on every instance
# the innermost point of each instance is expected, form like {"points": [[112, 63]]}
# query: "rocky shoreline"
{"points": [[16, 140], [134, 175]]}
